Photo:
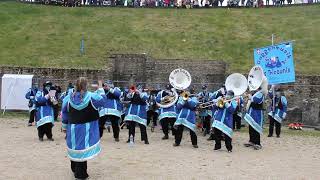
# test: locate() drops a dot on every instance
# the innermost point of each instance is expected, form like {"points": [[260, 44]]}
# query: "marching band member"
{"points": [[112, 109], [152, 110], [80, 121], [32, 105], [137, 113], [237, 115], [124, 98], [186, 118], [70, 89], [213, 96], [278, 112], [223, 122], [44, 112], [204, 114], [56, 104], [254, 117], [167, 115]]}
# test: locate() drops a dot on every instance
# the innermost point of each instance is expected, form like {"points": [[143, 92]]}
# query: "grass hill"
{"points": [[49, 36]]}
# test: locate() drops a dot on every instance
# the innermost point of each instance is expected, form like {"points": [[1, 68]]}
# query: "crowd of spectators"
{"points": [[173, 3]]}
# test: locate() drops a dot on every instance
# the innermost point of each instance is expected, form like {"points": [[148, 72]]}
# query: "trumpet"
{"points": [[186, 95], [220, 102]]}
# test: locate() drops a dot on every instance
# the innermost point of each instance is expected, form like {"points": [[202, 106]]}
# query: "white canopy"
{"points": [[13, 90]]}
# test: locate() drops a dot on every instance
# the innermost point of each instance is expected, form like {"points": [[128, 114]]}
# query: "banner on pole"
{"points": [[276, 62]]}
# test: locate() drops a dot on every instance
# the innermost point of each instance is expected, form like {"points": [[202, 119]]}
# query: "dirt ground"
{"points": [[22, 156]]}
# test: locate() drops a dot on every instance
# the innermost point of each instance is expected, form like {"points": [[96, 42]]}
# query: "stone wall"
{"points": [[59, 76], [303, 97], [141, 68], [126, 69]]}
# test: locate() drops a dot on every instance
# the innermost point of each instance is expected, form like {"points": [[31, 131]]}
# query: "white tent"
{"points": [[13, 90]]}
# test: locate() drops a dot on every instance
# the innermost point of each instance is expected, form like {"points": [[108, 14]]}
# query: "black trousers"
{"points": [[122, 120], [45, 129], [132, 130], [236, 122], [218, 138], [31, 116], [152, 116], [254, 136], [179, 132], [55, 112], [79, 169], [165, 125], [273, 123], [114, 123], [206, 124]]}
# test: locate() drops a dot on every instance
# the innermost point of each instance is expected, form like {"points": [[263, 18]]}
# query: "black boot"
{"points": [[166, 136], [211, 137]]}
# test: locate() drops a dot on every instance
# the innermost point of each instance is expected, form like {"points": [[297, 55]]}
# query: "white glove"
{"points": [[47, 96]]}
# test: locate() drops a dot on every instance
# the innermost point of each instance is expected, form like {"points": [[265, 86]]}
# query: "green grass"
{"points": [[49, 36], [23, 115]]}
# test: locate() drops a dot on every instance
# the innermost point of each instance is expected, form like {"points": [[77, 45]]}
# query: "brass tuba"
{"points": [[179, 79], [235, 82], [256, 80]]}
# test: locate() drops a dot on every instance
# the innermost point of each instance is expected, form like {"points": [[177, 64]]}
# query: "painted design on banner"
{"points": [[276, 62]]}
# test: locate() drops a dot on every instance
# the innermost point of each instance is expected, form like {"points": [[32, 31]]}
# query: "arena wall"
{"points": [[127, 69]]}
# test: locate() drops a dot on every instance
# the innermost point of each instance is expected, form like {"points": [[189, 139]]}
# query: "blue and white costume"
{"points": [[277, 111], [223, 122], [169, 112], [112, 105], [137, 110], [44, 113], [80, 119], [280, 111], [254, 116], [31, 94], [237, 115], [224, 118], [166, 115], [110, 113], [137, 113], [205, 96], [187, 114], [186, 118]]}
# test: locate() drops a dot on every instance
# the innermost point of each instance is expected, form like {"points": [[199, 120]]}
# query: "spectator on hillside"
{"points": [[255, 4], [166, 3], [196, 4], [289, 1], [221, 1]]}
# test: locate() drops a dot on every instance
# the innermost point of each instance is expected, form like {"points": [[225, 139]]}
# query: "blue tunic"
{"points": [[205, 112], [254, 117], [44, 109], [187, 115], [31, 94], [169, 112], [240, 107], [111, 102], [213, 96], [224, 118], [137, 111], [83, 139], [280, 110], [66, 93]]}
